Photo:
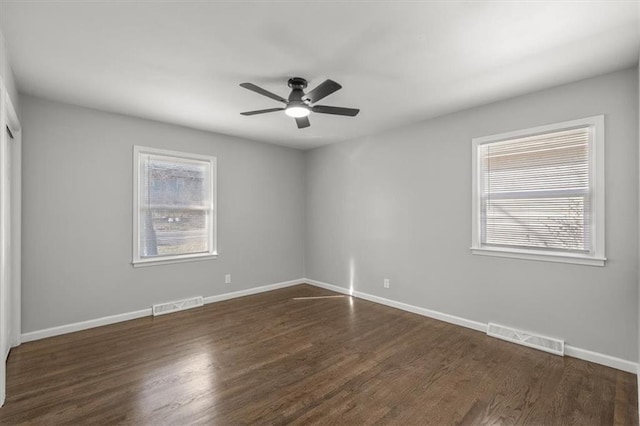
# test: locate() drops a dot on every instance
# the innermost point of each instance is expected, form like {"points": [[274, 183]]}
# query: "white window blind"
{"points": [[536, 191], [174, 212]]}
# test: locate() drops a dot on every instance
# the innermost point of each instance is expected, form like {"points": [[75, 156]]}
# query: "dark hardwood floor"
{"points": [[271, 359]]}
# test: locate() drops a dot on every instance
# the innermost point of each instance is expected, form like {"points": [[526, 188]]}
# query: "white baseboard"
{"points": [[112, 319], [572, 351], [83, 325], [16, 341], [326, 286], [250, 291], [584, 354], [603, 359], [475, 325]]}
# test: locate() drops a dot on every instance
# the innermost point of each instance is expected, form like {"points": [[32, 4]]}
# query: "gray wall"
{"points": [[7, 75], [394, 205], [398, 205], [77, 216]]}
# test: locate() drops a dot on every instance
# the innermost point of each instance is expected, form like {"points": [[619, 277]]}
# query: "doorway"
{"points": [[10, 231]]}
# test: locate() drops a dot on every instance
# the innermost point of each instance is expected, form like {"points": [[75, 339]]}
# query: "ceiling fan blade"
{"points": [[324, 109], [302, 122], [323, 90], [261, 111], [260, 90]]}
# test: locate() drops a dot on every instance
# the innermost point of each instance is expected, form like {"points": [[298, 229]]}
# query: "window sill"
{"points": [[173, 259], [576, 259]]}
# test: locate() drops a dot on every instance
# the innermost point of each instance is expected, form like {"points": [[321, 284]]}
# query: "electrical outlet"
{"points": [[227, 279], [386, 283]]}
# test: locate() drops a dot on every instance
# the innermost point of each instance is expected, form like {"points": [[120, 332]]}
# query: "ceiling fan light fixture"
{"points": [[297, 111]]}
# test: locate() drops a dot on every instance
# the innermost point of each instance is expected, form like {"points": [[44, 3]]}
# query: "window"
{"points": [[539, 193], [174, 197]]}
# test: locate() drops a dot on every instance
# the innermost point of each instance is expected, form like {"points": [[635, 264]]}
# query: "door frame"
{"points": [[10, 231]]}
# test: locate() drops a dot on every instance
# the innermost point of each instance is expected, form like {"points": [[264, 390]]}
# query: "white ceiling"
{"points": [[399, 62]]}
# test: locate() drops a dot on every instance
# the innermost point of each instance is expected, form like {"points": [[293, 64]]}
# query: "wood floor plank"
{"points": [[274, 359]]}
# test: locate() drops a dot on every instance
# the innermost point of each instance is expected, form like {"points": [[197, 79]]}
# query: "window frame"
{"points": [[596, 255], [212, 253]]}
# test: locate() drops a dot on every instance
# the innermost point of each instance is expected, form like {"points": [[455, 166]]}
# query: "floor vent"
{"points": [[547, 344], [179, 305]]}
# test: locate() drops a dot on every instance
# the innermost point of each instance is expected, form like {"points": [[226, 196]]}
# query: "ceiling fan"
{"points": [[299, 104]]}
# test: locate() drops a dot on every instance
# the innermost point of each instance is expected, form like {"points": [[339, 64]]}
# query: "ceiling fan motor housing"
{"points": [[297, 85]]}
